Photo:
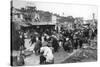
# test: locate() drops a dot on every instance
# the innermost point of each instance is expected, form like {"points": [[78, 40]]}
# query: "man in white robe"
{"points": [[47, 53]]}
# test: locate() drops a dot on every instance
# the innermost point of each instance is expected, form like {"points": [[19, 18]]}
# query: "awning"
{"points": [[42, 23], [26, 24]]}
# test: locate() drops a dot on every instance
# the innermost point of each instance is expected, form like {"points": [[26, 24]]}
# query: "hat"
{"points": [[67, 39]]}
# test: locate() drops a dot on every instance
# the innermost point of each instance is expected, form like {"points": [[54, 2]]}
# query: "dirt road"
{"points": [[59, 56]]}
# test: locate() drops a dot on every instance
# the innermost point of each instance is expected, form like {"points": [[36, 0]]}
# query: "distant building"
{"points": [[54, 19], [36, 17], [17, 15]]}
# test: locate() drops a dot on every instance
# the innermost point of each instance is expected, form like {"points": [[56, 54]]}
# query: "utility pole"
{"points": [[93, 18]]}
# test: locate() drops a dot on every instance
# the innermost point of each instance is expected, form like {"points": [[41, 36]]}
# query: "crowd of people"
{"points": [[46, 43]]}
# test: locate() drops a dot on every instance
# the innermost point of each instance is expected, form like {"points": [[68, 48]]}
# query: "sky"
{"points": [[74, 10]]}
